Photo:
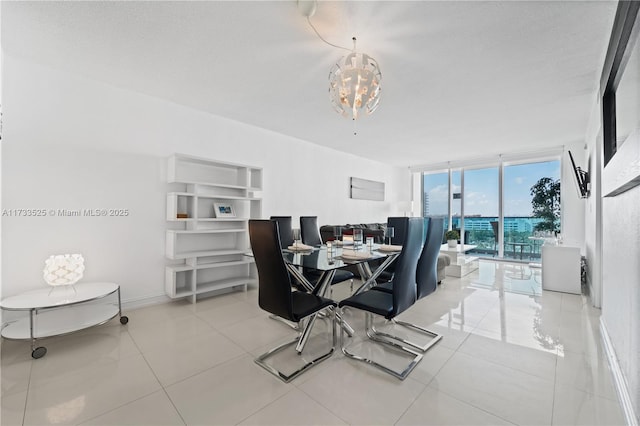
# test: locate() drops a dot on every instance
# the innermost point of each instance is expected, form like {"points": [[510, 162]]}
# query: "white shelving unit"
{"points": [[207, 253]]}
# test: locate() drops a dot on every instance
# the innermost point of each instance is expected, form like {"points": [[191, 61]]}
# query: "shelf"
{"points": [[182, 194], [222, 219], [219, 185], [61, 321], [205, 253], [207, 231], [223, 264], [53, 297], [208, 162], [209, 219], [211, 248], [183, 268], [179, 268], [228, 197], [181, 294], [222, 284]]}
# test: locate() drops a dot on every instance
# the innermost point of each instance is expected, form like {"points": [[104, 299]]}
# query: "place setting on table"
{"points": [[347, 248], [298, 246]]}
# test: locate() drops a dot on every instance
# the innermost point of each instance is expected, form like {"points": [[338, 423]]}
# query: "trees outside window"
{"points": [[545, 204]]}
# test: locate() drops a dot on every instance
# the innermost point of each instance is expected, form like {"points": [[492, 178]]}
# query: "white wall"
{"points": [[620, 266], [612, 230], [593, 206], [71, 143], [621, 283]]}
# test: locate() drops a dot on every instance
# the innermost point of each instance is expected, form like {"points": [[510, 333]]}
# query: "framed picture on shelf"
{"points": [[223, 210]]}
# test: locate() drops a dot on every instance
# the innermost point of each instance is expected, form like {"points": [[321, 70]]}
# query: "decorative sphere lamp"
{"points": [[63, 269]]}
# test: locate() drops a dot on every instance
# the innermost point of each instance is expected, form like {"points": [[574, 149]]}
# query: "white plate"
{"points": [[300, 247], [355, 255], [386, 247]]}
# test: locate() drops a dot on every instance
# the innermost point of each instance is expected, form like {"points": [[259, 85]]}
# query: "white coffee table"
{"points": [[60, 310], [461, 263]]}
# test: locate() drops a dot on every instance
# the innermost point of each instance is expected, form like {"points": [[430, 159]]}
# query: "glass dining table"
{"points": [[328, 262]]}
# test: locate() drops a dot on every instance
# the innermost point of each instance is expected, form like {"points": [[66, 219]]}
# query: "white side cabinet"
{"points": [[209, 204], [561, 269]]}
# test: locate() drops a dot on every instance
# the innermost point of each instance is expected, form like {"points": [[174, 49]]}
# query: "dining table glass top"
{"points": [[321, 259]]}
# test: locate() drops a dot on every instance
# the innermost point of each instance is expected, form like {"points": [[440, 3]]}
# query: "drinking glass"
{"points": [[388, 234], [337, 233], [357, 238], [370, 243], [296, 237]]}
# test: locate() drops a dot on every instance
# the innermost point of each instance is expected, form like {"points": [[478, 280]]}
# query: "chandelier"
{"points": [[354, 84]]}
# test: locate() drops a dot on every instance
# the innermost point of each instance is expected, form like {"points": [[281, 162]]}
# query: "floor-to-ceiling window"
{"points": [[470, 199], [481, 198], [456, 201], [529, 189], [435, 196]]}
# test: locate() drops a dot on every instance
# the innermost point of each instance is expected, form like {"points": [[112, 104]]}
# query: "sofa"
{"points": [[376, 230], [443, 261]]}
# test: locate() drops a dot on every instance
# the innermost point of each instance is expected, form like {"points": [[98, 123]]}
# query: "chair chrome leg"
{"points": [[306, 331], [345, 324], [293, 325], [261, 360], [416, 357], [375, 335]]}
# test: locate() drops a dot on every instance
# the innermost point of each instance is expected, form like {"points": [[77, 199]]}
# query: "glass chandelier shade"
{"points": [[354, 85]]}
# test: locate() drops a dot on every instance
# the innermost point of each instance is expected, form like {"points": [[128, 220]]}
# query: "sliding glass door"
{"points": [[481, 196], [531, 204], [470, 200]]}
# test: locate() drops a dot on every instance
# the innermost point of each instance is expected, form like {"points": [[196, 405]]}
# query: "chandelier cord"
{"points": [[322, 38]]}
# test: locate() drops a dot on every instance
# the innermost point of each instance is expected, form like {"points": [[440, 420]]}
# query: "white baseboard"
{"points": [[618, 378], [141, 302], [144, 301]]}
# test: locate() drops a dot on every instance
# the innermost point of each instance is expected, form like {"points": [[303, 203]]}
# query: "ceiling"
{"points": [[460, 79]]}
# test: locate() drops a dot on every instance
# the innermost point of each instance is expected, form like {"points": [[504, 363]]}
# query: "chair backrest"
{"points": [[274, 284], [399, 225], [285, 227], [404, 279], [427, 270], [496, 230], [309, 231]]}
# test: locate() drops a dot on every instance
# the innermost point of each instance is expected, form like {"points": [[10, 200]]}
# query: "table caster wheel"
{"points": [[124, 320], [38, 352]]}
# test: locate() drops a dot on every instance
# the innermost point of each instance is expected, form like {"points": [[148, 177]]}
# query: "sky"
{"points": [[481, 189]]}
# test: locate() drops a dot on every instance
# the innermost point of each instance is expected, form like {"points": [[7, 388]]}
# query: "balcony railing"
{"points": [[517, 233]]}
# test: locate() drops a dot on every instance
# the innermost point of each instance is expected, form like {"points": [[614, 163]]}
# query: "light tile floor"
{"points": [[511, 354]]}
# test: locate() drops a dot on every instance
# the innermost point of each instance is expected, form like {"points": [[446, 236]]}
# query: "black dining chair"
{"points": [[276, 296], [285, 232], [399, 225], [285, 226], [427, 277], [391, 304], [426, 280], [310, 234], [309, 231]]}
